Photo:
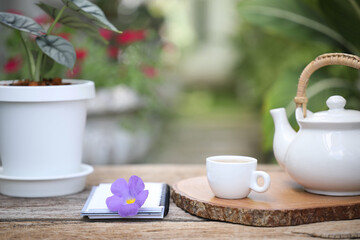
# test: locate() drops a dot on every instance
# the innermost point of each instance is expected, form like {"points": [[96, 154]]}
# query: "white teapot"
{"points": [[324, 155]]}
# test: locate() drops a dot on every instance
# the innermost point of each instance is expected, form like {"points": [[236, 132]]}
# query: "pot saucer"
{"points": [[44, 186]]}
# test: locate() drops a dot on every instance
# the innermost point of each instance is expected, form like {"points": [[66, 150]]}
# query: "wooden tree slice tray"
{"points": [[284, 204]]}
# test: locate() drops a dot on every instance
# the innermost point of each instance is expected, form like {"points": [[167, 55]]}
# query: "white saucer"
{"points": [[44, 186]]}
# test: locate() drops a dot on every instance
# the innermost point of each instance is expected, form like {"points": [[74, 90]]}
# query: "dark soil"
{"points": [[45, 82]]}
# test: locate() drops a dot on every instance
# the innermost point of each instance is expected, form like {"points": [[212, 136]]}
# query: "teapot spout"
{"points": [[284, 135]]}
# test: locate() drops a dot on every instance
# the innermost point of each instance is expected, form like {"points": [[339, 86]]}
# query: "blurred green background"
{"points": [[193, 78]]}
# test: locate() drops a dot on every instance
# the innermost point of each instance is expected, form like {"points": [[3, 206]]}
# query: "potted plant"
{"points": [[127, 115], [42, 120]]}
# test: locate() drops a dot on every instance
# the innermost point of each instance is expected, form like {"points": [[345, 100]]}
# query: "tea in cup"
{"points": [[233, 177]]}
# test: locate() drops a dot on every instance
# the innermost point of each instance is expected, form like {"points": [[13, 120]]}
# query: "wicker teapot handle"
{"points": [[319, 62]]}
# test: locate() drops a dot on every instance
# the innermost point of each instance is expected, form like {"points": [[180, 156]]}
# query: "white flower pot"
{"points": [[41, 130]]}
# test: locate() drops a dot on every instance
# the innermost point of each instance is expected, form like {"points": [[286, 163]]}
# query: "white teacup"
{"points": [[234, 177]]}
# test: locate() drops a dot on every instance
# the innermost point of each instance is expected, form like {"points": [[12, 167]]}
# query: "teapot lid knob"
{"points": [[336, 102]]}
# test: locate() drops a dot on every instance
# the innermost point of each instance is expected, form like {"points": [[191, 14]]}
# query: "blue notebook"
{"points": [[155, 206]]}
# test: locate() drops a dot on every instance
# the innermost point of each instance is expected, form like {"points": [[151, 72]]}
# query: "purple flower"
{"points": [[127, 198]]}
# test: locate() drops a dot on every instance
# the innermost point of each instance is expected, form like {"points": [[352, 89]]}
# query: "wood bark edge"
{"points": [[264, 218]]}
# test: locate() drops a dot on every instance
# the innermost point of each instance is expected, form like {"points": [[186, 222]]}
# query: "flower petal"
{"points": [[120, 188], [141, 198], [114, 203], [136, 185], [107, 34], [128, 210]]}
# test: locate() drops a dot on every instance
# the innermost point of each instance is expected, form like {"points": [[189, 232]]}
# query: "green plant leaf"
{"points": [[72, 21], [21, 23], [57, 48], [291, 18], [91, 11], [335, 12]]}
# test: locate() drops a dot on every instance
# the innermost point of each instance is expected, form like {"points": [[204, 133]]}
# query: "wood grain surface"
{"points": [[59, 218], [284, 204]]}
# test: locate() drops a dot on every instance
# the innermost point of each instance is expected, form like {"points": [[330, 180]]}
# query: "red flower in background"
{"points": [[149, 71], [13, 65], [64, 35], [131, 36], [107, 34], [43, 19], [112, 52], [81, 53], [14, 11], [127, 37]]}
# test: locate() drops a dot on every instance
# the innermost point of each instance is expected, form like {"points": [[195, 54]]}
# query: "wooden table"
{"points": [[59, 217]]}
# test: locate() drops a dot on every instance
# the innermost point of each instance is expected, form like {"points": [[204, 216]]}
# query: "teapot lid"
{"points": [[336, 113]]}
